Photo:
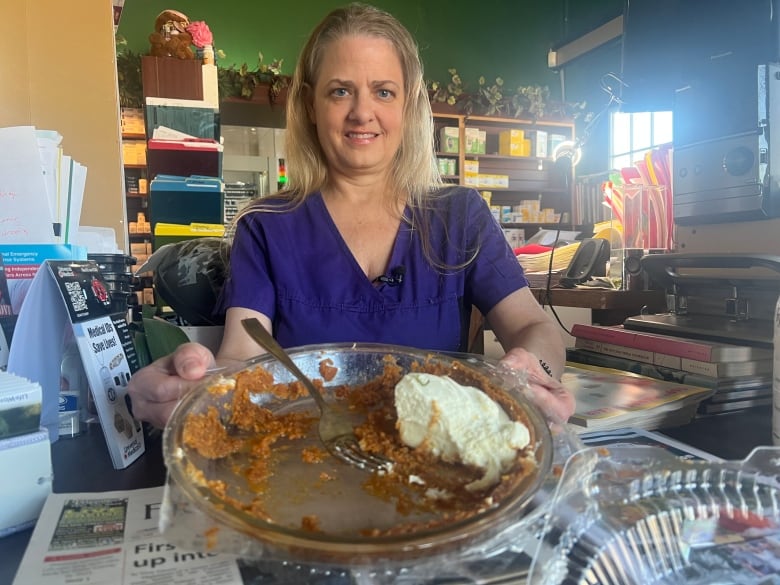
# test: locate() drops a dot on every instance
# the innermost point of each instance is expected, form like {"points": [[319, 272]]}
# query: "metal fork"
{"points": [[335, 429]]}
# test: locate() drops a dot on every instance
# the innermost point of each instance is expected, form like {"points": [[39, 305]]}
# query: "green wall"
{"points": [[506, 38]]}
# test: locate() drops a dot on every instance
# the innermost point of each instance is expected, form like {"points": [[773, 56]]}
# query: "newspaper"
{"points": [[112, 538]]}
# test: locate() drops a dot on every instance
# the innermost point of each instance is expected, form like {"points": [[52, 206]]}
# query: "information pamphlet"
{"points": [[67, 302]]}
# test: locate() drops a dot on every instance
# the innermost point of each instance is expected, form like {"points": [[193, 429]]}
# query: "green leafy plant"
{"points": [[232, 81], [128, 70], [448, 93], [241, 81], [155, 337], [488, 99], [531, 101], [495, 99]]}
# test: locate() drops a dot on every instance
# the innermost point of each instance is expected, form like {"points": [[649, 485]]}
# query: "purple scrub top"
{"points": [[295, 268]]}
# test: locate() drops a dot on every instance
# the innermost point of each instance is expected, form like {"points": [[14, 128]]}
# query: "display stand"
{"points": [[70, 300]]}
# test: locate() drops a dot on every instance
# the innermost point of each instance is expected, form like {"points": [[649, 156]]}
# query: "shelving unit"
{"points": [[523, 178], [136, 195]]}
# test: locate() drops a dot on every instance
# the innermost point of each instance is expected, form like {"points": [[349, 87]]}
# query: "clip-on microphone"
{"points": [[396, 276]]}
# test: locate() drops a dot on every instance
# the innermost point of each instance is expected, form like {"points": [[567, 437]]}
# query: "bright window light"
{"points": [[632, 135]]}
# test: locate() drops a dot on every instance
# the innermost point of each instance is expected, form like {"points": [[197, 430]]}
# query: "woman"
{"points": [[366, 245]]}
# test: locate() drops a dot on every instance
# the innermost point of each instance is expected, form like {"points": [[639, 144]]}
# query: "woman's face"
{"points": [[357, 105]]}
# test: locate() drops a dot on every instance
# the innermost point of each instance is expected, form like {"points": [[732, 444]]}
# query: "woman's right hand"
{"points": [[156, 389]]}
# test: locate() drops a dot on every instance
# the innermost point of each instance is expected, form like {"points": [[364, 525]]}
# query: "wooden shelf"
{"points": [[533, 159], [133, 136], [565, 226], [527, 177], [609, 307], [129, 166]]}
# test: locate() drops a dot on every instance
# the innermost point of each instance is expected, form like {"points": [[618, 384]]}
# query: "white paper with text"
{"points": [[112, 538]]}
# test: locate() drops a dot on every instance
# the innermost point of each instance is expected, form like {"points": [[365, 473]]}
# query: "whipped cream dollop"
{"points": [[458, 424]]}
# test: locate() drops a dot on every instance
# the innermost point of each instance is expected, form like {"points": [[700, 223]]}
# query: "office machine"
{"points": [[725, 297]]}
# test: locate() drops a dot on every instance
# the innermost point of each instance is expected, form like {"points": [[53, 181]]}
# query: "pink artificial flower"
{"points": [[201, 34]]}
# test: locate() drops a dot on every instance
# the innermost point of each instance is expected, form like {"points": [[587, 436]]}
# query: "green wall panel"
{"points": [[506, 38]]}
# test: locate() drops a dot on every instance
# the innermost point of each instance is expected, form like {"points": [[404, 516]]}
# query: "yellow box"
{"points": [[471, 173], [501, 181], [510, 143]]}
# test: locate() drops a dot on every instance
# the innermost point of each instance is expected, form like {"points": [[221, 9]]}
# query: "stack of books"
{"points": [[25, 454], [740, 376]]}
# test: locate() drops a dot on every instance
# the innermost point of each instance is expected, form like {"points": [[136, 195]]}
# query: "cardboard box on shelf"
{"points": [[555, 140], [476, 140], [538, 143], [471, 173], [510, 143], [492, 181], [449, 139], [514, 236]]}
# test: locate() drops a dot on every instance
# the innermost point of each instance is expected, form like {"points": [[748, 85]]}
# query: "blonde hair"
{"points": [[414, 170]]}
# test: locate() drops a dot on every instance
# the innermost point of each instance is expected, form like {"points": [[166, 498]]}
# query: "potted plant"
{"points": [[531, 102], [266, 84]]}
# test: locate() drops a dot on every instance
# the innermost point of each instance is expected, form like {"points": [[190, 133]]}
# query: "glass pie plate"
{"points": [[332, 494]]}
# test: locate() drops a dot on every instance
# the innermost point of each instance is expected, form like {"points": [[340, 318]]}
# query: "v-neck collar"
{"points": [[400, 243]]}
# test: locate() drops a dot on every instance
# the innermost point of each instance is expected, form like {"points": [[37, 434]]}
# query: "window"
{"points": [[632, 135]]}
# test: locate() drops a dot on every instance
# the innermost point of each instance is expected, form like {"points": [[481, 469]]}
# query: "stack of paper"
{"points": [[540, 263], [41, 187]]}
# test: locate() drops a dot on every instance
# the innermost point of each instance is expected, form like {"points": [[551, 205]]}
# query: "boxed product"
{"points": [[449, 139], [555, 141], [471, 173], [515, 237], [510, 143], [476, 140], [538, 143]]}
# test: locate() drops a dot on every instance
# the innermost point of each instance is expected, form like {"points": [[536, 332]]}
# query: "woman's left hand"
{"points": [[552, 398]]}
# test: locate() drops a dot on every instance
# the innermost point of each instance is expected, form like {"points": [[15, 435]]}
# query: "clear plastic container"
{"points": [[640, 516]]}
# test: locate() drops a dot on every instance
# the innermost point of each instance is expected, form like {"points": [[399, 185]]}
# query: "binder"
{"points": [[185, 200], [196, 118], [193, 156]]}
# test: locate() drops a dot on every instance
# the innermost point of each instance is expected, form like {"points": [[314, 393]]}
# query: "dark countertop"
{"points": [[82, 464]]}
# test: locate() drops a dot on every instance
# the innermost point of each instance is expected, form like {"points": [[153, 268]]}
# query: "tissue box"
{"points": [[27, 459]]}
